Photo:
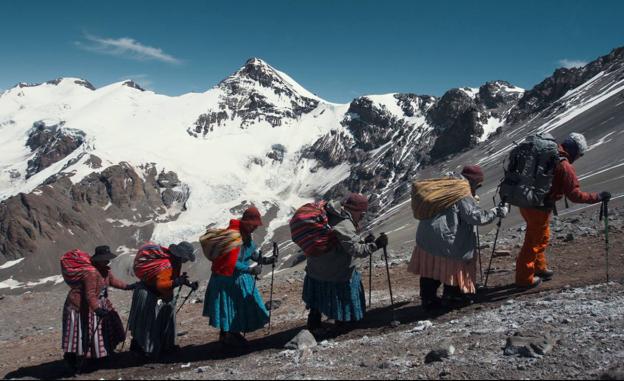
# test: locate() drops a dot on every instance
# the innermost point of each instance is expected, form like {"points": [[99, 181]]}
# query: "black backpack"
{"points": [[529, 175]]}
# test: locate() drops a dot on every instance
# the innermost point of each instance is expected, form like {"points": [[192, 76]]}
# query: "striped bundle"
{"points": [[218, 242], [150, 261], [74, 265], [433, 196], [310, 229]]}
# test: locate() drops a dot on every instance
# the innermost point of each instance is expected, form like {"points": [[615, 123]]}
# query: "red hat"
{"points": [[473, 173], [356, 202], [251, 216]]}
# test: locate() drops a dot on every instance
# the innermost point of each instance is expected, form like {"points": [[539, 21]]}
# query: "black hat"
{"points": [[183, 250], [102, 254]]}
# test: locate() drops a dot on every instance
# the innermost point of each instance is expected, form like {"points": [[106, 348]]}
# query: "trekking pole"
{"points": [[185, 299], [395, 322], [604, 214], [479, 253], [498, 227], [370, 280], [275, 257]]}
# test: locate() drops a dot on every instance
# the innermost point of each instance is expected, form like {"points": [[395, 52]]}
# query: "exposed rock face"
{"points": [[51, 144], [563, 80], [133, 85], [113, 207], [250, 94], [81, 82]]}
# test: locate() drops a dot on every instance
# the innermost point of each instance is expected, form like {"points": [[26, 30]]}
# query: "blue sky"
{"points": [[336, 49]]}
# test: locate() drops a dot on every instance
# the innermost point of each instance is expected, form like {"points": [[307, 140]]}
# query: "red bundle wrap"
{"points": [[74, 265], [150, 261]]}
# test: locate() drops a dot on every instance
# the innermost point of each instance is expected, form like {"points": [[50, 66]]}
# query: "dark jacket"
{"points": [[337, 265]]}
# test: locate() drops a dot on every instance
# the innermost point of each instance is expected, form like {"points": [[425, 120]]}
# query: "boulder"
{"points": [[304, 340], [529, 345], [441, 350]]}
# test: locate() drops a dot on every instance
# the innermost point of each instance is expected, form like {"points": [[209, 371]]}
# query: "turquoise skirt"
{"points": [[233, 304], [344, 301]]}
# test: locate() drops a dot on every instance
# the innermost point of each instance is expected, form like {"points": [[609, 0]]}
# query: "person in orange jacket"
{"points": [[152, 314], [531, 264]]}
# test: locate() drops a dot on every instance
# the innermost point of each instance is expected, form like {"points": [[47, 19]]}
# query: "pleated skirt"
{"points": [[89, 336], [234, 304], [448, 271], [342, 301], [152, 321]]}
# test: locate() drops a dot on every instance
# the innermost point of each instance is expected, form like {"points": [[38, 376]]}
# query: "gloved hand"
{"points": [[500, 211], [369, 239], [255, 270], [132, 286], [605, 196], [180, 281], [267, 260], [381, 241], [101, 312], [194, 286]]}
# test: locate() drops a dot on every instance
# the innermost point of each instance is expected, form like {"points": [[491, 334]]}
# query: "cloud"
{"points": [[569, 64], [125, 47]]}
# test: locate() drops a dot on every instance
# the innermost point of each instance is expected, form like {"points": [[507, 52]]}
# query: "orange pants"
{"points": [[532, 257]]}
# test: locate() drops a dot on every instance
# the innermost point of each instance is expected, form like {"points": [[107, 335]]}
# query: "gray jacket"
{"points": [[337, 265], [451, 233]]}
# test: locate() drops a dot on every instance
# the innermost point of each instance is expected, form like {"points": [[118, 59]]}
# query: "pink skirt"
{"points": [[448, 271]]}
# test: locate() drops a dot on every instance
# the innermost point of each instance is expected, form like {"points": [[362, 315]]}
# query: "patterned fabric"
{"points": [[233, 303], [310, 229], [341, 301], [448, 271], [433, 196], [152, 321], [150, 260], [226, 264], [90, 336], [218, 242], [74, 265]]}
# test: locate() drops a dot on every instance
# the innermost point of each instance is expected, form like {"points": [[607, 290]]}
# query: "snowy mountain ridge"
{"points": [[152, 167]]}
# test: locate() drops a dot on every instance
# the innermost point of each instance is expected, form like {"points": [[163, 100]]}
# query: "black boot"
{"points": [[429, 293], [71, 362], [454, 298], [314, 319]]}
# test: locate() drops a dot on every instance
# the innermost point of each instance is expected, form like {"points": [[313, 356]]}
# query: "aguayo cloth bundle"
{"points": [[218, 242], [74, 265], [433, 196], [151, 260]]}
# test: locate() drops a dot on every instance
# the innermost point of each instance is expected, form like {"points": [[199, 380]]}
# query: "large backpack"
{"points": [[74, 265], [432, 196], [529, 175], [218, 242], [310, 229], [151, 260]]}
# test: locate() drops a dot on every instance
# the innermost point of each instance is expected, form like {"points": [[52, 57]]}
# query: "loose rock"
{"points": [[532, 346], [441, 351], [303, 340]]}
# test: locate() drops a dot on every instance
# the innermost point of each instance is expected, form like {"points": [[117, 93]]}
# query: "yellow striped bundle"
{"points": [[433, 196], [217, 242]]}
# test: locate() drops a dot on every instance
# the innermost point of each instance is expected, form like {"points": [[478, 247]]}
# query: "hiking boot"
{"points": [[537, 281], [314, 320], [231, 339], [456, 301], [545, 275], [431, 304]]}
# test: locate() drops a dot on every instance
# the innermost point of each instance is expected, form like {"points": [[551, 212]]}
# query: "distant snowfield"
{"points": [[13, 284], [226, 167], [10, 264]]}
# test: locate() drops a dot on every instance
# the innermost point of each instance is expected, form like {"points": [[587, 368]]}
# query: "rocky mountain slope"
{"points": [[258, 137]]}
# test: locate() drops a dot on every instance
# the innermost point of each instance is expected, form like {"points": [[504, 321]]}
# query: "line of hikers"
{"points": [[331, 236]]}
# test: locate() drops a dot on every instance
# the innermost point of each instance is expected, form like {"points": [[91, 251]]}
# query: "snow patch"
{"points": [[11, 263]]}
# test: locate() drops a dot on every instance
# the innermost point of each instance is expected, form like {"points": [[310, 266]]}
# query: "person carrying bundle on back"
{"points": [[328, 233], [91, 326], [539, 174], [445, 240], [233, 304], [152, 314]]}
